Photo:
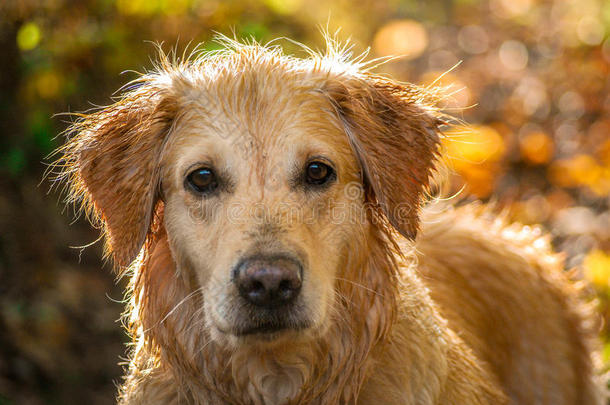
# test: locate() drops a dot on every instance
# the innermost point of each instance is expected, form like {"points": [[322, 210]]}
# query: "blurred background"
{"points": [[533, 81]]}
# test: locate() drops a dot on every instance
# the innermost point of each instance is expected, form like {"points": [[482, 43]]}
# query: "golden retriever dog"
{"points": [[268, 210]]}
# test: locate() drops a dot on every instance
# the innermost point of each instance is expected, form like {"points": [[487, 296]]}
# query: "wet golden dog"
{"points": [[266, 208]]}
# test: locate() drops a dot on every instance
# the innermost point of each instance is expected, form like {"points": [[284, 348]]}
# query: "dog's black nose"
{"points": [[269, 282]]}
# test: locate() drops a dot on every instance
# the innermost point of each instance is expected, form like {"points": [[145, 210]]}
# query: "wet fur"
{"points": [[471, 311]]}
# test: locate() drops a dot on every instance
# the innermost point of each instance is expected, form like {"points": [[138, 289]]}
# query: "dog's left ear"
{"points": [[395, 138], [112, 165]]}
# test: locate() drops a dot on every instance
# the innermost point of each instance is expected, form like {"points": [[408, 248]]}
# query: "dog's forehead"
{"points": [[260, 111]]}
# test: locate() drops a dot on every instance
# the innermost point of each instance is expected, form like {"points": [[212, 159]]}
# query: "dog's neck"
{"points": [[320, 370]]}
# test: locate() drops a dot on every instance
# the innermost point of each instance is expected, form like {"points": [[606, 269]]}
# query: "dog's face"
{"points": [[269, 170], [258, 197]]}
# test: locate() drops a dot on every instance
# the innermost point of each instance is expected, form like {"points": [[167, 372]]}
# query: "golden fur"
{"points": [[472, 311]]}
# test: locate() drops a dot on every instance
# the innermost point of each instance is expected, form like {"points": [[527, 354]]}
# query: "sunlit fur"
{"points": [[471, 311]]}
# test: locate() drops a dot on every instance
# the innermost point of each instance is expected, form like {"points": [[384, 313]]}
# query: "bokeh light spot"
{"points": [[536, 148], [28, 36], [474, 144], [474, 153], [533, 94], [513, 55], [284, 6], [576, 171], [590, 31], [473, 39], [510, 8], [597, 268], [406, 38], [571, 104], [47, 85], [139, 7]]}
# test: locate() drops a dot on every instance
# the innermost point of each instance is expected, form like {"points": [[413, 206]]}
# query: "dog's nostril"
{"points": [[257, 286], [286, 290], [269, 282]]}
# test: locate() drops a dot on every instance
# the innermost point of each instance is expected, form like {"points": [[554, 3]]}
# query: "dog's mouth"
{"points": [[270, 322], [265, 324], [270, 328]]}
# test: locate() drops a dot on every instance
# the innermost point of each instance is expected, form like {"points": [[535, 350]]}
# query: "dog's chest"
{"points": [[270, 383]]}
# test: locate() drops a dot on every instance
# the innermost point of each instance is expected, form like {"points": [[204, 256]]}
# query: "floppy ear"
{"points": [[112, 165], [395, 138]]}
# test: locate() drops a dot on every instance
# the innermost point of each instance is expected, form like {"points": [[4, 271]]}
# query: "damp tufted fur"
{"points": [[403, 305]]}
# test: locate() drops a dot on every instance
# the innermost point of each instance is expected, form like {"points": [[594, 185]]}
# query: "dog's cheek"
{"points": [[317, 296], [330, 233], [187, 237], [196, 244]]}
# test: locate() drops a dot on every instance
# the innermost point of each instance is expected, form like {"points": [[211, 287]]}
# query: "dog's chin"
{"points": [[265, 332], [264, 327]]}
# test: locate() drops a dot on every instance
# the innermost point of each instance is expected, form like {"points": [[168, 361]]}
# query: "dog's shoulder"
{"points": [[502, 288]]}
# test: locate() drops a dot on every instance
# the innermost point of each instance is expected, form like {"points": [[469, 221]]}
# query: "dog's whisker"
{"points": [[195, 317], [182, 301], [360, 286], [204, 346]]}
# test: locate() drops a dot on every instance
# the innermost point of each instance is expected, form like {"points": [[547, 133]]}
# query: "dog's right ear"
{"points": [[395, 137], [112, 165]]}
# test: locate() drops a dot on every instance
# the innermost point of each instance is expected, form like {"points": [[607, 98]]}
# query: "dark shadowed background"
{"points": [[533, 81]]}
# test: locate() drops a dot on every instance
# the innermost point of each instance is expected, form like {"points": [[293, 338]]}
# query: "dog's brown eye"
{"points": [[318, 173], [202, 180]]}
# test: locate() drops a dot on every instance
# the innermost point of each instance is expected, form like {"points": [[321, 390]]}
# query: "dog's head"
{"points": [[267, 173]]}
